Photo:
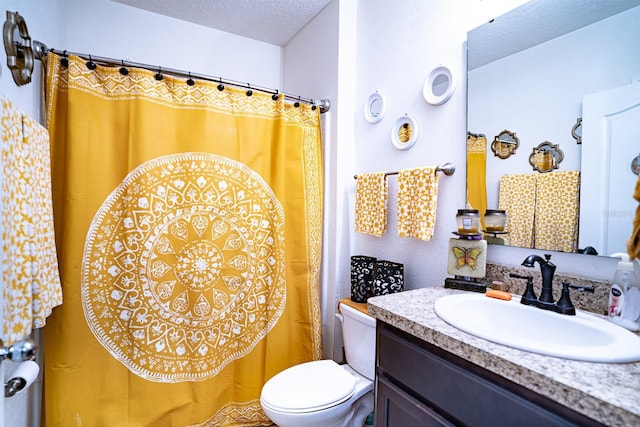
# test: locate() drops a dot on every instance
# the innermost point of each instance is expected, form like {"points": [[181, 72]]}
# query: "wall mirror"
{"points": [[404, 133], [536, 69]]}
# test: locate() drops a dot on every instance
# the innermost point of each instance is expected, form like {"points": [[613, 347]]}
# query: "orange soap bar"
{"points": [[498, 294]]}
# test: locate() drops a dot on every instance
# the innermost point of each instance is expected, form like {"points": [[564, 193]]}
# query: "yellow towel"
{"points": [[557, 208], [517, 196], [417, 202], [371, 203], [29, 261], [633, 243]]}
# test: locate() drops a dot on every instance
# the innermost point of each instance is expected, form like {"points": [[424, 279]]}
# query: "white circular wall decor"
{"points": [[439, 86], [404, 133], [375, 108]]}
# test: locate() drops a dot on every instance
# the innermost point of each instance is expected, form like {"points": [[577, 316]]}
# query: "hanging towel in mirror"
{"points": [[417, 202], [633, 243], [477, 173], [517, 196], [371, 203], [557, 208], [29, 261]]}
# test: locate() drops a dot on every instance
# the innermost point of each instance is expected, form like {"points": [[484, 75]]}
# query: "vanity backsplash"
{"points": [[596, 302]]}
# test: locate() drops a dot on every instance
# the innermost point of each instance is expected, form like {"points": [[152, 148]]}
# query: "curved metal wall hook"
{"points": [[17, 45]]}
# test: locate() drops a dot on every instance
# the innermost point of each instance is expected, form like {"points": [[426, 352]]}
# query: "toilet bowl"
{"points": [[324, 393]]}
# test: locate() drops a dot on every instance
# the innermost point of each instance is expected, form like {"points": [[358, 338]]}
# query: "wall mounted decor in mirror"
{"points": [[439, 86], [536, 69], [375, 108], [404, 133], [505, 144], [576, 131], [546, 157]]}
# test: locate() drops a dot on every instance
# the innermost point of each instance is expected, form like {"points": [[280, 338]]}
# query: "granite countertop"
{"points": [[606, 392]]}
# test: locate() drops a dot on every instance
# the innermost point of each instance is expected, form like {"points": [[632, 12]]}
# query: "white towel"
{"points": [[29, 260]]}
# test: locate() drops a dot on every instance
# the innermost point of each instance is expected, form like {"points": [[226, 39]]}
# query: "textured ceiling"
{"points": [[270, 21], [536, 22]]}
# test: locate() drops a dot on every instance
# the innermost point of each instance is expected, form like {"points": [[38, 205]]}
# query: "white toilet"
{"points": [[324, 393]]}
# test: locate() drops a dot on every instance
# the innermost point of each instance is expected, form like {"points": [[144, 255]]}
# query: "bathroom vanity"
{"points": [[430, 373]]}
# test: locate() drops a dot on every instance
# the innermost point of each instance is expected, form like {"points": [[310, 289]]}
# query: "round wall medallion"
{"points": [[439, 86], [404, 133], [376, 108]]}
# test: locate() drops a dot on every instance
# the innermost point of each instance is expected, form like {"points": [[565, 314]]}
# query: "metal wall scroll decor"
{"points": [[576, 131], [17, 45], [505, 144], [546, 157]]}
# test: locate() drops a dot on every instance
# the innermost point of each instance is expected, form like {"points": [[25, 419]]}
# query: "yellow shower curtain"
{"points": [[188, 224]]}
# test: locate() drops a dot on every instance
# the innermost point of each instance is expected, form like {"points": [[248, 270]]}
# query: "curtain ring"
{"points": [[123, 69], [249, 92], [159, 74], [275, 96], [190, 81], [220, 86], [90, 64], [297, 103], [64, 61]]}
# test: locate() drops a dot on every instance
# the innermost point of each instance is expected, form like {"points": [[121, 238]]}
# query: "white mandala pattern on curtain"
{"points": [[184, 268]]}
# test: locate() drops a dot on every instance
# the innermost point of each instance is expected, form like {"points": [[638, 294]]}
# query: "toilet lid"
{"points": [[308, 387]]}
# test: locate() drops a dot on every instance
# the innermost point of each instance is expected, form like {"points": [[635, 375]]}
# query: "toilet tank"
{"points": [[359, 336]]}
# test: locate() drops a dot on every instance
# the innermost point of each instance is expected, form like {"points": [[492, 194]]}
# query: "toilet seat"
{"points": [[309, 387]]}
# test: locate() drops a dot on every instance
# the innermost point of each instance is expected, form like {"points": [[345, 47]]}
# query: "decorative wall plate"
{"points": [[404, 133], [439, 86], [375, 108]]}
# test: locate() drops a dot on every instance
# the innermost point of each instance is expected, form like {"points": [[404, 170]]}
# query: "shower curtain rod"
{"points": [[322, 104]]}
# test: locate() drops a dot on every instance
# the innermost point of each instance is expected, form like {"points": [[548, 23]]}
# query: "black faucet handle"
{"points": [[529, 297], [581, 288], [564, 304]]}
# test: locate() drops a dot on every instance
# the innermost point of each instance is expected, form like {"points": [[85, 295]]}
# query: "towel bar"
{"points": [[447, 169]]}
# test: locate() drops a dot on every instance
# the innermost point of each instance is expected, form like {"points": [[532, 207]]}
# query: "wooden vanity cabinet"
{"points": [[419, 384]]}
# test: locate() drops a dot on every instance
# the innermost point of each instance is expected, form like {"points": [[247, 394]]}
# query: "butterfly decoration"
{"points": [[466, 256]]}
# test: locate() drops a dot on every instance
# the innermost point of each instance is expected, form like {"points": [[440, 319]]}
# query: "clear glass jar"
{"points": [[495, 220], [468, 221]]}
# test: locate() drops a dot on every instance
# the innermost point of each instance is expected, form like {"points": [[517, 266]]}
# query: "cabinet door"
{"points": [[395, 408]]}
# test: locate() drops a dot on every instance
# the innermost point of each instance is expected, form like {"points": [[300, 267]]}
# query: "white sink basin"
{"points": [[582, 337]]}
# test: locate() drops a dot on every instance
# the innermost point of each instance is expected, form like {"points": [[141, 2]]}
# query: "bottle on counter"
{"points": [[624, 296]]}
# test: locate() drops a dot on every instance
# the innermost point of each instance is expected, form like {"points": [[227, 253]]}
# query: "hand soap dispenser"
{"points": [[624, 297]]}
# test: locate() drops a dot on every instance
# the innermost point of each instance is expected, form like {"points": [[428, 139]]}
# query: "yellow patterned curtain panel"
{"points": [[477, 173], [188, 225]]}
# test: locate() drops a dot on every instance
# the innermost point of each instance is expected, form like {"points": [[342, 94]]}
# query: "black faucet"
{"points": [[547, 269]]}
